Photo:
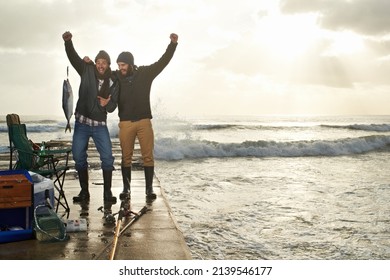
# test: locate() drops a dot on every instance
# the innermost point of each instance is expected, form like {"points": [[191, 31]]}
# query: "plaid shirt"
{"points": [[84, 120]]}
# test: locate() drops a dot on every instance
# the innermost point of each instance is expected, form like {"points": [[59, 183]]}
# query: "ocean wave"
{"points": [[364, 127], [39, 127], [45, 128], [234, 127], [175, 149], [222, 126], [31, 120]]}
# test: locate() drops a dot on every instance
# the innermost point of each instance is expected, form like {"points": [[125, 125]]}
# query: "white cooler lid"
{"points": [[41, 183]]}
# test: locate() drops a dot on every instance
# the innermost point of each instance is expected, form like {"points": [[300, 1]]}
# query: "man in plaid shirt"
{"points": [[95, 91]]}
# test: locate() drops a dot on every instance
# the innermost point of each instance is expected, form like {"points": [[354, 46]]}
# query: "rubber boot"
{"points": [[126, 176], [149, 173], [107, 194], [84, 193]]}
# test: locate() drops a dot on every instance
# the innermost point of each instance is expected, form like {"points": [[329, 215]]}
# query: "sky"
{"points": [[248, 57]]}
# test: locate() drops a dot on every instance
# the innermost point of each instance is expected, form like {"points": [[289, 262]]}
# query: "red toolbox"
{"points": [[16, 203]]}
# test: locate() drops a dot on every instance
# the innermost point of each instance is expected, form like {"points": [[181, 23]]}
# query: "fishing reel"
{"points": [[108, 216], [124, 211], [125, 207]]}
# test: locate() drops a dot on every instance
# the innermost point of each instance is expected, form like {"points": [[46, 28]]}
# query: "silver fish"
{"points": [[67, 101]]}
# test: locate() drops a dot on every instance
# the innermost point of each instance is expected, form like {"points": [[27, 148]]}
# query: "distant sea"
{"points": [[269, 187]]}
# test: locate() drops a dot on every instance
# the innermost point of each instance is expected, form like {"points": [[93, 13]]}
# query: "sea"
{"points": [[268, 187]]}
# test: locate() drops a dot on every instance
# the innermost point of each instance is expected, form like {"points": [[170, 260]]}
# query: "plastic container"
{"points": [[41, 184], [76, 225]]}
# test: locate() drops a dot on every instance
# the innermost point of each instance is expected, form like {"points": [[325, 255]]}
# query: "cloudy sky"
{"points": [[248, 57]]}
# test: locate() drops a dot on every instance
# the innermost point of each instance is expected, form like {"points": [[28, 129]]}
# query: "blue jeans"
{"points": [[101, 137]]}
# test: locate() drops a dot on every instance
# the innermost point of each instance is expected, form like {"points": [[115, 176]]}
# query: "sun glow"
{"points": [[288, 36], [345, 43]]}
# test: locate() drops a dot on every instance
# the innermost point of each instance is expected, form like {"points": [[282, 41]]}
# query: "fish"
{"points": [[67, 101]]}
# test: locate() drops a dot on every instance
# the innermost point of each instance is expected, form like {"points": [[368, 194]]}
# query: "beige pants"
{"points": [[128, 132]]}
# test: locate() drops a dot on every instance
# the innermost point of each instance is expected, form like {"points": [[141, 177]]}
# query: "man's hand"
{"points": [[174, 38], [87, 60], [103, 101], [67, 36]]}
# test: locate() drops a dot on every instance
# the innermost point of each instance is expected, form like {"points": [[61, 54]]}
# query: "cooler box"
{"points": [[41, 184], [16, 201]]}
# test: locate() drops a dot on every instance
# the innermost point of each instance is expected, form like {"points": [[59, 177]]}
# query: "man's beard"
{"points": [[125, 73]]}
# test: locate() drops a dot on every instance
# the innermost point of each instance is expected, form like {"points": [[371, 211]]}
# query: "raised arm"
{"points": [[158, 66], [74, 58]]}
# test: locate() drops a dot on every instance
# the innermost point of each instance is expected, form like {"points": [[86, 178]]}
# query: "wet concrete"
{"points": [[154, 236]]}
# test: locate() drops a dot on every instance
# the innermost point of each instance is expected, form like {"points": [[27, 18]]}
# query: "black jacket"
{"points": [[88, 104], [134, 97]]}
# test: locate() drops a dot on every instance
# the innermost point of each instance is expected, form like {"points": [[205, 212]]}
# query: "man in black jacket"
{"points": [[96, 87], [135, 113]]}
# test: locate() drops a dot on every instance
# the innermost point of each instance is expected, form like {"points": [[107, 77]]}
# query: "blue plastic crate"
{"points": [[14, 217]]}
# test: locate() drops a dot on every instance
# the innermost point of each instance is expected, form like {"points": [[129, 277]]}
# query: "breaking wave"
{"points": [[176, 149], [38, 126], [362, 127]]}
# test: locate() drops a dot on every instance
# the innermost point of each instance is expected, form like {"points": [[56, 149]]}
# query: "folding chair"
{"points": [[50, 163], [12, 119]]}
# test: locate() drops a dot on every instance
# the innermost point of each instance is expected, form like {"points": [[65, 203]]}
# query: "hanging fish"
{"points": [[67, 100]]}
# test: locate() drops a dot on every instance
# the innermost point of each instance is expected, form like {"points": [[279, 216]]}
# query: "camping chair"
{"points": [[12, 119], [50, 163]]}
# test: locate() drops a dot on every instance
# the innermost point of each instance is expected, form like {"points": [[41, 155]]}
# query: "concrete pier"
{"points": [[154, 236]]}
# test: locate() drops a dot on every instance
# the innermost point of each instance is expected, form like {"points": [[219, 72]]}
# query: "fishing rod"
{"points": [[123, 212], [134, 219], [119, 232]]}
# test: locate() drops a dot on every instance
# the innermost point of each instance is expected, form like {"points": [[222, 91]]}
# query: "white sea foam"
{"points": [[176, 149]]}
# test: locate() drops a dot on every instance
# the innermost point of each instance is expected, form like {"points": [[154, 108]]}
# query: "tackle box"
{"points": [[16, 205]]}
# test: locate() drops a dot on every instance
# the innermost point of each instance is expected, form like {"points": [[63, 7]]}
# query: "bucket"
{"points": [[76, 225]]}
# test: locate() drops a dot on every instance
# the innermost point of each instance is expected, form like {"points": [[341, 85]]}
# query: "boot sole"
{"points": [[151, 196], [79, 199]]}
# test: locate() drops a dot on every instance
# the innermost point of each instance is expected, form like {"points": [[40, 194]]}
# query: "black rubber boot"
{"points": [[107, 194], [149, 173], [126, 176], [84, 193]]}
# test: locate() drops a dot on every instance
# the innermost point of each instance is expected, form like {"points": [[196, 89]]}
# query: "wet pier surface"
{"points": [[153, 236]]}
